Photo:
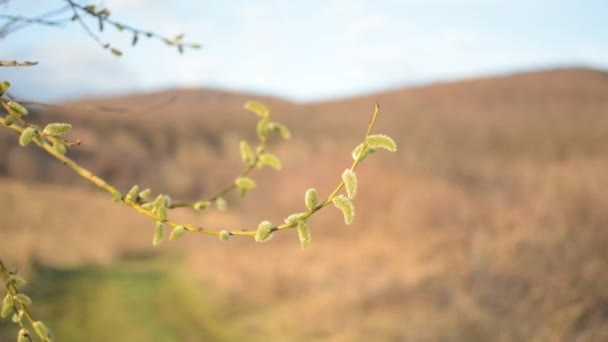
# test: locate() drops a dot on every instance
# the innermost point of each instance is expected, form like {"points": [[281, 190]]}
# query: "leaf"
{"points": [[346, 206], [27, 135], [258, 108], [303, 233], [350, 183], [23, 299], [244, 185], [264, 232], [269, 159], [43, 331], [56, 129], [376, 141], [224, 235], [246, 153], [177, 232], [17, 108], [195, 46], [159, 233], [311, 199]]}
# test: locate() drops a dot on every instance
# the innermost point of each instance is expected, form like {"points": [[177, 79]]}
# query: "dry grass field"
{"points": [[489, 224]]}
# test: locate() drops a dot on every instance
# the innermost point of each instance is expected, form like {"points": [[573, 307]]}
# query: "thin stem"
{"points": [[100, 183], [232, 186], [13, 291], [330, 198]]}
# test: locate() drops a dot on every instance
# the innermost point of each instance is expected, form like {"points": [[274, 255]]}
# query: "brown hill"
{"points": [[488, 224]]}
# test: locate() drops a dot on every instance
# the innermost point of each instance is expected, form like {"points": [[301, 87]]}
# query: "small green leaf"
{"points": [[201, 205], [311, 199], [17, 107], [132, 194], [27, 135], [195, 46], [258, 108], [23, 335], [7, 306], [246, 153], [224, 235], [264, 232], [303, 233], [177, 232], [119, 26], [159, 233], [346, 206], [23, 299], [43, 331], [4, 85], [56, 129], [221, 204], [244, 185], [269, 159], [350, 183], [116, 52], [59, 147], [376, 141]]}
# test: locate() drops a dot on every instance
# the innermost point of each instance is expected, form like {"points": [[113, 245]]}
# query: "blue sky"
{"points": [[305, 50]]}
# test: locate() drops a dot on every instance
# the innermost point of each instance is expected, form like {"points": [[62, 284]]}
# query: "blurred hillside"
{"points": [[490, 223]]}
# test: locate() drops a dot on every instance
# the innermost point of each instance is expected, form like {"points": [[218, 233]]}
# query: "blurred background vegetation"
{"points": [[489, 223]]}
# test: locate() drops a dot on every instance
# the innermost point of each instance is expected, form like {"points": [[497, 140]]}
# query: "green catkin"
{"points": [[303, 233], [311, 199], [177, 232], [264, 231], [159, 233], [376, 141], [350, 183], [56, 129], [224, 235], [346, 206]]}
